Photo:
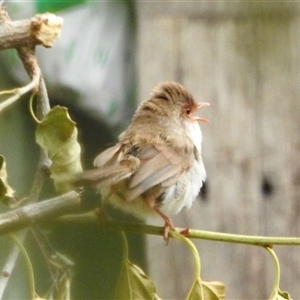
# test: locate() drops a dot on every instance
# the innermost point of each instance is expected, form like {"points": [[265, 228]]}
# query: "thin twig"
{"points": [[26, 216], [8, 268], [17, 93], [27, 55]]}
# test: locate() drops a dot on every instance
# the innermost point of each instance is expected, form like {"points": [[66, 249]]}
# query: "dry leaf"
{"points": [[6, 192], [57, 135]]}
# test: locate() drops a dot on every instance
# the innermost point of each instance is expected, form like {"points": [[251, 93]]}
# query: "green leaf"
{"points": [[279, 295], [196, 292], [214, 290], [284, 295], [57, 135], [134, 284], [200, 290], [207, 290], [6, 192]]}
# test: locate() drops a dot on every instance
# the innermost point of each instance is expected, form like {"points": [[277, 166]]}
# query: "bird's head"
{"points": [[177, 100]]}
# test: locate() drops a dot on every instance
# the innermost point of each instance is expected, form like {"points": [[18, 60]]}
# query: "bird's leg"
{"points": [[168, 223], [150, 201]]}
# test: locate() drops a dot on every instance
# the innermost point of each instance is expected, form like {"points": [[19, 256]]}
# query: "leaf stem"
{"points": [[8, 92], [125, 246], [277, 274], [180, 237], [17, 93], [31, 109], [28, 264]]}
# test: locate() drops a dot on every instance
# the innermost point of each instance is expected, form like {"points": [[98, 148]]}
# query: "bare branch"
{"points": [[30, 214], [43, 105], [24, 36], [8, 267], [42, 29], [27, 55]]}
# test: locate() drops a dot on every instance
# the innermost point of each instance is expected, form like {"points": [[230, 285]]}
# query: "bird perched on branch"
{"points": [[156, 166]]}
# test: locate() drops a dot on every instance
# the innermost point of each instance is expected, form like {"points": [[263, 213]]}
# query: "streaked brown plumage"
{"points": [[156, 167]]}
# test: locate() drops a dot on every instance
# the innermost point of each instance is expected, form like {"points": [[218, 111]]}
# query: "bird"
{"points": [[156, 167]]}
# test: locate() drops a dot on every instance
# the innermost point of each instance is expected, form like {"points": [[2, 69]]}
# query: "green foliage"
{"points": [[57, 135], [200, 290], [60, 289], [277, 294], [282, 296], [207, 290], [134, 284]]}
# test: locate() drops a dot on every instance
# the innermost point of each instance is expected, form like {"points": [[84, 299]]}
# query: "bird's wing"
{"points": [[116, 168], [144, 165], [108, 157], [159, 164]]}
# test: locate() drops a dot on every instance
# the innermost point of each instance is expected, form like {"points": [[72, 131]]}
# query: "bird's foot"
{"points": [[167, 227], [168, 224]]}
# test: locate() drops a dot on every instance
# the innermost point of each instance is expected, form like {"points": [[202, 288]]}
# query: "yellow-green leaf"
{"points": [[6, 192], [134, 284], [284, 295], [214, 290], [196, 291], [279, 295], [207, 290], [200, 290], [57, 135]]}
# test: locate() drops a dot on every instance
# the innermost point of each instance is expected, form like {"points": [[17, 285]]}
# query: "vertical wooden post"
{"points": [[244, 59]]}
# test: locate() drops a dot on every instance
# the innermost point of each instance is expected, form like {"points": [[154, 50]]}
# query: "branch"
{"points": [[8, 268], [53, 212], [94, 218], [17, 93], [42, 29], [24, 36], [35, 213]]}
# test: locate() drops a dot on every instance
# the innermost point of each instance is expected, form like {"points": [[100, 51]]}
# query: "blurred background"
{"points": [[243, 58]]}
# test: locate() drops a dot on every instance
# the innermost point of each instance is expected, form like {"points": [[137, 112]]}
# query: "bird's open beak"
{"points": [[199, 106]]}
